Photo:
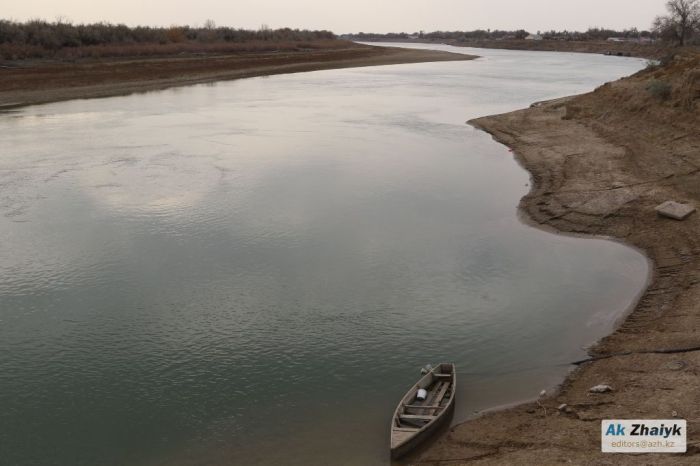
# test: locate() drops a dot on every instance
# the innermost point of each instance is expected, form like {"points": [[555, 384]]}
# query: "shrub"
{"points": [[176, 34], [667, 59], [660, 89], [41, 39]]}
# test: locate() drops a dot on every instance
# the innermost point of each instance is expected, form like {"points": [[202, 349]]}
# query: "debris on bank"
{"points": [[675, 210]]}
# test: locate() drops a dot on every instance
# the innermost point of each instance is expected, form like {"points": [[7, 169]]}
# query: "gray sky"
{"points": [[351, 15]]}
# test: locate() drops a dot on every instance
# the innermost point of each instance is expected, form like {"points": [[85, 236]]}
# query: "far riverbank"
{"points": [[28, 83], [628, 49]]}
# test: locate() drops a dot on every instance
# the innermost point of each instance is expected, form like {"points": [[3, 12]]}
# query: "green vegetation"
{"points": [[42, 39]]}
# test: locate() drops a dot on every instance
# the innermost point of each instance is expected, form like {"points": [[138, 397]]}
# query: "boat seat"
{"points": [[421, 406], [417, 417]]}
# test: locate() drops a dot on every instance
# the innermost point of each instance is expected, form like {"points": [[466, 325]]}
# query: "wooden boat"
{"points": [[415, 420]]}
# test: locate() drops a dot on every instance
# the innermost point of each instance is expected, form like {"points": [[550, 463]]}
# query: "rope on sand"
{"points": [[628, 353]]}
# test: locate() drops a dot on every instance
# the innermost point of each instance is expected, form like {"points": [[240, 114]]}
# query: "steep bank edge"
{"points": [[592, 177]]}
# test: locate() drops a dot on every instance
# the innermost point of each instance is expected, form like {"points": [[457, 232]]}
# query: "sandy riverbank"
{"points": [[600, 163], [41, 82]]}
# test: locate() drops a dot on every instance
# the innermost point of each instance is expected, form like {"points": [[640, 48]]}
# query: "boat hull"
{"points": [[416, 420], [424, 435]]}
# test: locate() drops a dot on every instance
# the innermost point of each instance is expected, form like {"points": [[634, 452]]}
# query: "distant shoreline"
{"points": [[31, 83], [632, 49]]}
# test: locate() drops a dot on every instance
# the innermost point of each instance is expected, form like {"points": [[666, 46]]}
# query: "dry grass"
{"points": [[689, 90], [682, 73], [21, 52]]}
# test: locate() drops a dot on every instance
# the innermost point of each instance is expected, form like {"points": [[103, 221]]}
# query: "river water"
{"points": [[253, 271]]}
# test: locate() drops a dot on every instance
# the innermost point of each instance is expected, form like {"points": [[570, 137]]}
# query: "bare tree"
{"points": [[682, 21], [63, 19]]}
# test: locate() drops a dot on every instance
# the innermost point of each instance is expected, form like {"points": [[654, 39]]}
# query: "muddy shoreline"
{"points": [[600, 163], [36, 83]]}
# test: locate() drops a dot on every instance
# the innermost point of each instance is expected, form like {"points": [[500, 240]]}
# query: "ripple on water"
{"points": [[196, 263]]}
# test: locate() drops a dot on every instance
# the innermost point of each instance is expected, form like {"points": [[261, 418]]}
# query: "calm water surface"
{"points": [[252, 272]]}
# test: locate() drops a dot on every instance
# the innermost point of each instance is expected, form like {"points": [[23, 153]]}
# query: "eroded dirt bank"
{"points": [[34, 83], [600, 163]]}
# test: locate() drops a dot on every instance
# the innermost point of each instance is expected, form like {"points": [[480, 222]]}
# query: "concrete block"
{"points": [[675, 210]]}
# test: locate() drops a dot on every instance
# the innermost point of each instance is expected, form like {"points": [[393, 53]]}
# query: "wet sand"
{"points": [[600, 163], [42, 82]]}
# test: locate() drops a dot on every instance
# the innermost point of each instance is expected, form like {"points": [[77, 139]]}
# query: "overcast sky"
{"points": [[351, 15]]}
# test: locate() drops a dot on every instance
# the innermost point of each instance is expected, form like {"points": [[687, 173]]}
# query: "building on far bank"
{"points": [[533, 37]]}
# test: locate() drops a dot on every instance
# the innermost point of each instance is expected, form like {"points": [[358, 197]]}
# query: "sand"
{"points": [[600, 164], [28, 83]]}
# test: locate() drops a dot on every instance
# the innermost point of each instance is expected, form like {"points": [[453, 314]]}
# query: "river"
{"points": [[254, 271]]}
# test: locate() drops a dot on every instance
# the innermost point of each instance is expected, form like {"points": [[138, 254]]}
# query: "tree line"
{"points": [[51, 36], [681, 25], [496, 34]]}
